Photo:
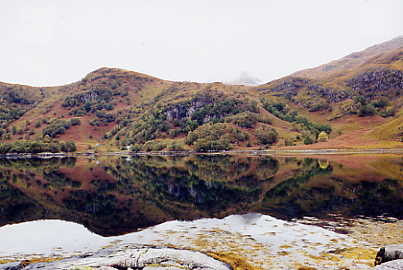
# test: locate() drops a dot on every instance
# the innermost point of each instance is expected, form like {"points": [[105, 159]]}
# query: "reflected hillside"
{"points": [[113, 196]]}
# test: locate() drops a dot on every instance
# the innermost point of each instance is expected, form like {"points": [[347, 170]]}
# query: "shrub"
{"points": [[207, 131], [36, 147], [381, 103], [95, 122], [105, 117], [153, 146], [75, 122], [205, 145], [38, 124], [240, 135], [136, 147], [308, 140], [388, 112], [280, 110], [245, 119], [266, 135], [215, 137], [56, 127], [175, 146], [174, 132], [323, 137], [366, 110], [321, 106], [68, 147]]}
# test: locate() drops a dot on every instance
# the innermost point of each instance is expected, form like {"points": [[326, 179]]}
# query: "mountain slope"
{"points": [[361, 97], [366, 84], [353, 61]]}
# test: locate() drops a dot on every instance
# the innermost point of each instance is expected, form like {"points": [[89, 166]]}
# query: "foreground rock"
{"points": [[246, 242], [127, 257], [389, 253], [392, 265]]}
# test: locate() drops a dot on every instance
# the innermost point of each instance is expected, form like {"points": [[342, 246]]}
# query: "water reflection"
{"points": [[116, 195]]}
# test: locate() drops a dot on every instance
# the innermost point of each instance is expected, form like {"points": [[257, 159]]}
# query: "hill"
{"points": [[355, 103]]}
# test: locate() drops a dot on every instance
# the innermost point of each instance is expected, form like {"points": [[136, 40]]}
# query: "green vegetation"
{"points": [[215, 137], [308, 140], [59, 126], [75, 122], [16, 97], [88, 99], [175, 146], [266, 135], [10, 114], [184, 117], [281, 111], [92, 101], [366, 110], [378, 106], [153, 146], [244, 119], [36, 147]]}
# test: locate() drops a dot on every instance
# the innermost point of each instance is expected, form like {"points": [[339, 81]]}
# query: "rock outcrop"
{"points": [[377, 83], [137, 258]]}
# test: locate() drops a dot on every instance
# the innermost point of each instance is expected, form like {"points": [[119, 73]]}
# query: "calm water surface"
{"points": [[80, 202]]}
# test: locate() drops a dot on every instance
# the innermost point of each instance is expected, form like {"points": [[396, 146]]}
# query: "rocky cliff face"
{"points": [[292, 86], [96, 95], [379, 82], [371, 85], [186, 109], [205, 107]]}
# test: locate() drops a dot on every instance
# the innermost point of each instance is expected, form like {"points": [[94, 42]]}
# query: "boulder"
{"points": [[392, 265], [389, 253]]}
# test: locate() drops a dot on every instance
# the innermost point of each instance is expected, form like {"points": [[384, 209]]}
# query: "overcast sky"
{"points": [[53, 42]]}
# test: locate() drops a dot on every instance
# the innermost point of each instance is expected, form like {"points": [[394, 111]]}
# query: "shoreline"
{"points": [[280, 152]]}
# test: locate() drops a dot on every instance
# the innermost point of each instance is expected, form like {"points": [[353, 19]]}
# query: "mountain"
{"points": [[352, 102], [384, 53]]}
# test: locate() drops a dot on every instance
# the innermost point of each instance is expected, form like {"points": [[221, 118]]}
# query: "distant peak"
{"points": [[245, 79]]}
